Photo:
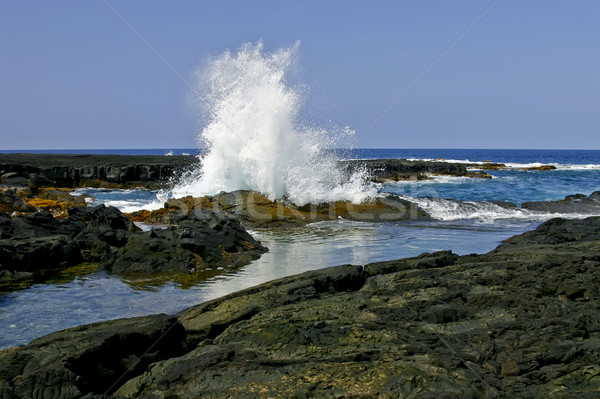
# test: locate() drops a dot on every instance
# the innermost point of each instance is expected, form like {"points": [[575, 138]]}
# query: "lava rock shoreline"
{"points": [[152, 171], [37, 244], [519, 321]]}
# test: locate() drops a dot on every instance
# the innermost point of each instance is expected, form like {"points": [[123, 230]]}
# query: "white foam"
{"points": [[445, 160], [577, 167], [255, 138], [434, 180], [512, 165], [445, 209]]}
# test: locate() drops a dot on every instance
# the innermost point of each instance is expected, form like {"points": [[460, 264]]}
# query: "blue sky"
{"points": [[526, 76]]}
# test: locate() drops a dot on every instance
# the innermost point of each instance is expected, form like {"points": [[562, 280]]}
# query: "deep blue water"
{"points": [[506, 185], [581, 157], [474, 155]]}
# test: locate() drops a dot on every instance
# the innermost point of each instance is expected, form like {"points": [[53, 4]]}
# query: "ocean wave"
{"points": [[445, 160], [126, 200], [578, 167], [439, 179], [447, 210], [512, 165]]}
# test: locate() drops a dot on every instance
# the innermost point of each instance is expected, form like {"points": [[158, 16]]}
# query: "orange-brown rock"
{"points": [[55, 201], [543, 167], [254, 209]]}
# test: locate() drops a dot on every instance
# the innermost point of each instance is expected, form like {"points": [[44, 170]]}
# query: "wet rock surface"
{"points": [[578, 203], [105, 235], [382, 170], [81, 170], [254, 209], [520, 321]]}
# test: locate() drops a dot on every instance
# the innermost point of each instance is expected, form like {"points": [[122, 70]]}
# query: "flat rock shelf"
{"points": [[519, 321]]}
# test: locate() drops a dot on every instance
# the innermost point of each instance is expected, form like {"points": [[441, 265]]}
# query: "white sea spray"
{"points": [[255, 138]]}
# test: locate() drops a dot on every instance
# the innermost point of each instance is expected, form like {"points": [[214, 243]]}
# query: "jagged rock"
{"points": [[40, 241], [474, 326], [520, 321], [94, 358], [81, 170], [11, 203], [218, 242], [70, 170], [578, 203], [105, 235], [254, 209]]}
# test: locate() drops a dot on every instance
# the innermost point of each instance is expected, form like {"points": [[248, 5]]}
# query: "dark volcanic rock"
{"points": [[556, 231], [105, 235], [75, 170], [520, 321], [94, 358], [192, 244], [254, 209], [11, 203], [578, 203], [402, 169], [38, 242]]}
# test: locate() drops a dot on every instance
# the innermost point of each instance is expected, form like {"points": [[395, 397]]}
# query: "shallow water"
{"points": [[81, 298]]}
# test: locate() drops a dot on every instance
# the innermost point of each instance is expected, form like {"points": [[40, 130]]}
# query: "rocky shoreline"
{"points": [[520, 321], [85, 170], [42, 229], [33, 244], [153, 171]]}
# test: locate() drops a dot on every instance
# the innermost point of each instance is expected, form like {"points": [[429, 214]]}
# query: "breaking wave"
{"points": [[255, 138]]}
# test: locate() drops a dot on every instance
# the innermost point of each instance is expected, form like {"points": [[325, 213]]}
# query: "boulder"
{"points": [[91, 359], [189, 246], [11, 203], [38, 241], [13, 178]]}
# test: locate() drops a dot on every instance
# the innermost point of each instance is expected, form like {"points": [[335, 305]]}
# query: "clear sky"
{"points": [[527, 75]]}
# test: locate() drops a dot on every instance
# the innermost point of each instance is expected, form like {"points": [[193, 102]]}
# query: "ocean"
{"points": [[473, 225]]}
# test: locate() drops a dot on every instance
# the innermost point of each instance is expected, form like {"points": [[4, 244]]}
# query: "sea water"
{"points": [[84, 297], [254, 138]]}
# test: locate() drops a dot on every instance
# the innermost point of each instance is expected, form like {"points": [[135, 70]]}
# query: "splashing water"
{"points": [[255, 139]]}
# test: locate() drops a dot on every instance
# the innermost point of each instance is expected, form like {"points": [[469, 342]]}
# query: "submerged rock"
{"points": [[520, 321]]}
